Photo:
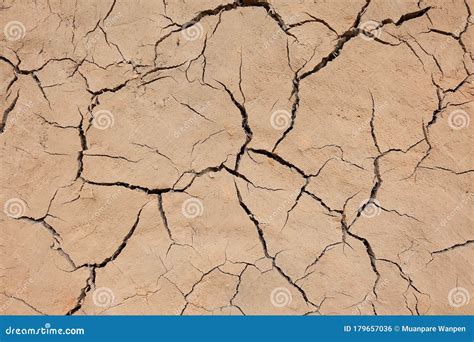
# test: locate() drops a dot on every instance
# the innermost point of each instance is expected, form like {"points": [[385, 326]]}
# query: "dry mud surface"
{"points": [[227, 158]]}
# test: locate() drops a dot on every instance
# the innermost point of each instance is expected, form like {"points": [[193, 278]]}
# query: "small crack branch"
{"points": [[265, 248], [245, 125], [458, 245], [7, 111], [90, 282]]}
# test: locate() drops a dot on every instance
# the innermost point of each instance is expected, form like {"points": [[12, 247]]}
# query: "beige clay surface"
{"points": [[236, 158]]}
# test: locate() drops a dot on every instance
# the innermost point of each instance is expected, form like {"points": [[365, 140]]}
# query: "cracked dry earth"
{"points": [[228, 158]]}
